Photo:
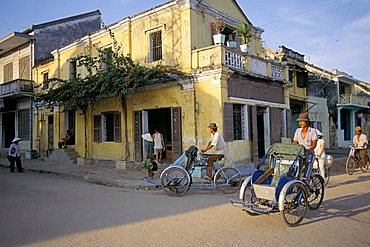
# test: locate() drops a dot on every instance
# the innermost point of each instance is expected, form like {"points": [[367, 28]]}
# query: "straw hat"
{"points": [[147, 137], [358, 128], [319, 133], [303, 117], [16, 139], [212, 125]]}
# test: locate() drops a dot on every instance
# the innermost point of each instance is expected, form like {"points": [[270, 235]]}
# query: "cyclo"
{"points": [[287, 185], [177, 179]]}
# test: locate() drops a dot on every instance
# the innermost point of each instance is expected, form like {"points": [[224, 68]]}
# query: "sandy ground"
{"points": [[43, 210]]}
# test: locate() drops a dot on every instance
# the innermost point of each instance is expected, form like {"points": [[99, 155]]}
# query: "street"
{"points": [[44, 210]]}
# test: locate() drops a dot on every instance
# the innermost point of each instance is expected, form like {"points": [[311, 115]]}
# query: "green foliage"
{"points": [[244, 32], [147, 164], [111, 73]]}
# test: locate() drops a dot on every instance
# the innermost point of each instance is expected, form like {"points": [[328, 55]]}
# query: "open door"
{"points": [[137, 135], [176, 132]]}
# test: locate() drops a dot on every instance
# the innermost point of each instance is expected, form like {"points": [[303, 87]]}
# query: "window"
{"points": [[97, 128], [72, 70], [23, 124], [155, 42], [238, 122], [107, 58], [45, 83], [8, 72], [107, 127], [302, 78], [24, 68]]}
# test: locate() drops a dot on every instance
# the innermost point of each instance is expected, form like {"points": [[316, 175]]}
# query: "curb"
{"points": [[87, 179]]}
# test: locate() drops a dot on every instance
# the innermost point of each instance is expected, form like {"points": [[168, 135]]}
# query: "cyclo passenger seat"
{"points": [[191, 154]]}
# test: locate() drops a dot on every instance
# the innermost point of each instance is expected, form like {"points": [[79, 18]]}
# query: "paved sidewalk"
{"points": [[108, 175]]}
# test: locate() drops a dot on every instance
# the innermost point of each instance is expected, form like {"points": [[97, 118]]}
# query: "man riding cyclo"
{"points": [[218, 143], [360, 143], [307, 137]]}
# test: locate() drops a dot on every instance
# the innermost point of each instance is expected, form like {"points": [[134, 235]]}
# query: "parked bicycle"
{"points": [[354, 160]]}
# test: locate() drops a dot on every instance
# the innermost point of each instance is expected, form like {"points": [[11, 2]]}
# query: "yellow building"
{"points": [[243, 93]]}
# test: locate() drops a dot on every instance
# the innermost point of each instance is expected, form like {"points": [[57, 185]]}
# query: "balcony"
{"points": [[352, 100], [218, 55], [16, 88]]}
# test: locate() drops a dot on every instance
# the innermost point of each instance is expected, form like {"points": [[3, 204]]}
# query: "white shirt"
{"points": [[318, 149], [157, 141], [311, 135], [218, 142], [14, 150], [360, 141]]}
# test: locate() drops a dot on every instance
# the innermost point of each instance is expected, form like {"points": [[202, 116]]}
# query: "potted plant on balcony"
{"points": [[218, 26], [245, 34], [232, 43]]}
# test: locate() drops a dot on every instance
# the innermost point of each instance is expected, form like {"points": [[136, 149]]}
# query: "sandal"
{"points": [[206, 177]]}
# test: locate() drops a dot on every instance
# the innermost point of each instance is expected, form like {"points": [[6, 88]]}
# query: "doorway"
{"points": [[70, 123], [8, 122], [263, 130], [50, 132], [345, 115], [168, 122]]}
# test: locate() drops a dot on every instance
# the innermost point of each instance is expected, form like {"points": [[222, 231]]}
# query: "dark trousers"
{"points": [[18, 162], [363, 157], [210, 161]]}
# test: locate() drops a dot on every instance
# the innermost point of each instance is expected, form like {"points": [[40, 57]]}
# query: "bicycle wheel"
{"points": [[315, 192], [295, 204], [175, 181], [327, 175], [350, 165], [249, 197], [228, 180]]}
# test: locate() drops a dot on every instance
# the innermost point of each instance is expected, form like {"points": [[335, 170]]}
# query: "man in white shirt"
{"points": [[360, 143], [218, 143], [14, 155], [305, 135]]}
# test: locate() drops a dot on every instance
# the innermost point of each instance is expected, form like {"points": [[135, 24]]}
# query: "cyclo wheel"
{"points": [[249, 197], [295, 204], [228, 180], [175, 181], [315, 192], [350, 165], [327, 175]]}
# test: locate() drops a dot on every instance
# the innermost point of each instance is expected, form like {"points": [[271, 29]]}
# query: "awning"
{"points": [[13, 41]]}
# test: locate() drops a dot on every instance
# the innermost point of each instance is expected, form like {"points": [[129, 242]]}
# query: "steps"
{"points": [[63, 156]]}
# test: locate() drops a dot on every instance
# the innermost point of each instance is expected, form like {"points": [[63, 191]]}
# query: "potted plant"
{"points": [[231, 42], [244, 32], [218, 26], [150, 165]]}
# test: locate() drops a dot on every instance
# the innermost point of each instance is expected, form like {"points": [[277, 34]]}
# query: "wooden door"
{"points": [[176, 132], [137, 135], [50, 132]]}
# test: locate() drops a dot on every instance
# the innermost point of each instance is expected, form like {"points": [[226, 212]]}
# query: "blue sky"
{"points": [[331, 33]]}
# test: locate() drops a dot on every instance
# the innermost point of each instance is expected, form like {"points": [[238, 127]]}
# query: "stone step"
{"points": [[68, 156]]}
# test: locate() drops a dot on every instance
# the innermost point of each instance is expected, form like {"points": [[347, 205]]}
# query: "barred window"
{"points": [[23, 124], [155, 42], [97, 128], [45, 83], [238, 122], [72, 69]]}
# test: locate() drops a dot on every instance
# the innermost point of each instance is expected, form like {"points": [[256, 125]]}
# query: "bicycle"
{"points": [[353, 160]]}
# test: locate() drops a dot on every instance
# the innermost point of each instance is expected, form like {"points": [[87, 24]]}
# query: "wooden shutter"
{"points": [[137, 135], [228, 122], [97, 128], [289, 123], [8, 72], [255, 133], [275, 125], [176, 132], [117, 127], [24, 68]]}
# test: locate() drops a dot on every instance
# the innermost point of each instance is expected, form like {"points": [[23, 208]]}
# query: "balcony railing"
{"points": [[15, 87], [221, 55], [352, 99]]}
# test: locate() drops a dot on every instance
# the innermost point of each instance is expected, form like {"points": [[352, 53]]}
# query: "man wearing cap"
{"points": [[360, 143], [218, 143], [305, 135], [14, 154]]}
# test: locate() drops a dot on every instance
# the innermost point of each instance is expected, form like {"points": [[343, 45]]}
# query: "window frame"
{"points": [[155, 50], [24, 127]]}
